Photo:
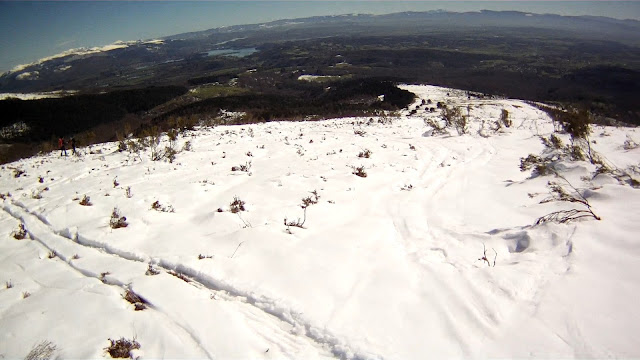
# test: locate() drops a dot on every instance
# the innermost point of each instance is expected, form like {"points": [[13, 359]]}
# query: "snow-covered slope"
{"points": [[82, 51], [386, 266], [34, 96]]}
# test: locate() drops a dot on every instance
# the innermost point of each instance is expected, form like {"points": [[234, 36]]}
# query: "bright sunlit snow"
{"points": [[81, 51], [387, 266], [35, 96]]}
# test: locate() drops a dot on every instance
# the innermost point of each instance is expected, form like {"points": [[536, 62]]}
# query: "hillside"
{"points": [[384, 266], [592, 62]]}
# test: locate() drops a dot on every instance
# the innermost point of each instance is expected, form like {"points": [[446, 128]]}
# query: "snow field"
{"points": [[386, 266]]}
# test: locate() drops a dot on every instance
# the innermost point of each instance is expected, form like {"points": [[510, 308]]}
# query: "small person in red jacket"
{"points": [[62, 147]]}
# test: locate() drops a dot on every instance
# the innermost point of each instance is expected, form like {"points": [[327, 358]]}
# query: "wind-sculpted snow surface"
{"points": [[432, 254]]}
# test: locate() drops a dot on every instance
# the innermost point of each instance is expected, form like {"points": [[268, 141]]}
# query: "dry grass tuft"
{"points": [[122, 348]]}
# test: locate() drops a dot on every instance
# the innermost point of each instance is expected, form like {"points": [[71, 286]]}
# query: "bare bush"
{"points": [[306, 202], [576, 123], [484, 256], [407, 187], [359, 171], [17, 172], [629, 144], [151, 271], [460, 124], [20, 233], [135, 299], [366, 153], [246, 167], [558, 193], [103, 276], [159, 207], [438, 129], [170, 152], [555, 141], [121, 348], [541, 166], [575, 152], [122, 143], [86, 201], [504, 118], [151, 139], [117, 221], [43, 351], [452, 116], [236, 205]]}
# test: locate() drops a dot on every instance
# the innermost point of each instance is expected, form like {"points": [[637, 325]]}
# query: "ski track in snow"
{"points": [[453, 304], [58, 242], [40, 231]]}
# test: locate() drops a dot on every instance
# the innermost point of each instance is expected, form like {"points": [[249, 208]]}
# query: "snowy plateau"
{"points": [[434, 254]]}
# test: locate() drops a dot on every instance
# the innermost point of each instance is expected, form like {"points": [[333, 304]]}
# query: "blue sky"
{"points": [[30, 30]]}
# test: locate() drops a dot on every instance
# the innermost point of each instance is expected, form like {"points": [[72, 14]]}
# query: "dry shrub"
{"points": [[541, 166], [366, 153], [359, 171], [42, 351], [117, 221], [135, 299], [180, 276], [86, 201], [236, 205], [504, 118], [20, 233], [246, 167], [151, 271], [122, 348], [306, 202], [558, 193], [159, 207]]}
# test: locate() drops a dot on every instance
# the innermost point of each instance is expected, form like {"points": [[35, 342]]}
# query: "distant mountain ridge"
{"points": [[590, 24], [624, 31], [591, 60]]}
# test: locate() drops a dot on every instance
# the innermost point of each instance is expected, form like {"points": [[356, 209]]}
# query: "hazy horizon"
{"points": [[30, 30]]}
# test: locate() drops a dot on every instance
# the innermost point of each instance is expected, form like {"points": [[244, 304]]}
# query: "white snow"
{"points": [[386, 266], [77, 51], [63, 68], [28, 75], [154, 41], [308, 77], [35, 96]]}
